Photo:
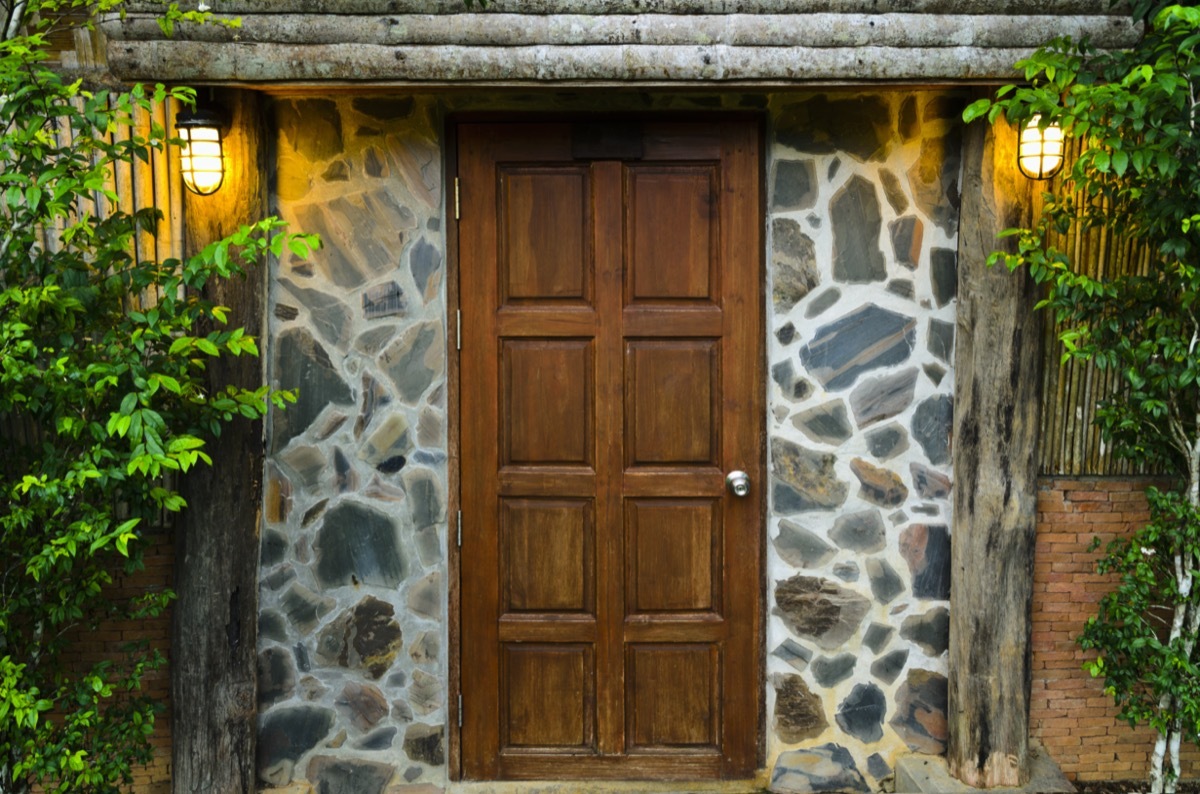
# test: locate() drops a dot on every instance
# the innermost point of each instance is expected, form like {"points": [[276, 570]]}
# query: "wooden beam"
{"points": [[213, 639], [997, 404]]}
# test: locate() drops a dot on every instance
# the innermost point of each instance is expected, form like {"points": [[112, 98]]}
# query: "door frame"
{"points": [[453, 394]]}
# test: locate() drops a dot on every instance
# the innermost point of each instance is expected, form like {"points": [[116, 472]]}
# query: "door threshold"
{"points": [[758, 783]]}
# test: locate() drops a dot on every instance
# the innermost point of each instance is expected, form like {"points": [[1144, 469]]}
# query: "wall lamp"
{"points": [[1040, 150], [202, 156]]}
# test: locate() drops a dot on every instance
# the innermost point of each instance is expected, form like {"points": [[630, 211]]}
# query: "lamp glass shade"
{"points": [[202, 159], [1040, 150]]}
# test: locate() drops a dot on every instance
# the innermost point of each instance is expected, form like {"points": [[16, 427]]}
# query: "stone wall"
{"points": [[862, 203]]}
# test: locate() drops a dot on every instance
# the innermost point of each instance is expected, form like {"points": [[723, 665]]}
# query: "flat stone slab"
{"points": [[928, 774]]}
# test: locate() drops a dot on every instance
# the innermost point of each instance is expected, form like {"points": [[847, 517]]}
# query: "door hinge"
{"points": [[457, 210], [460, 528], [458, 329], [460, 709]]}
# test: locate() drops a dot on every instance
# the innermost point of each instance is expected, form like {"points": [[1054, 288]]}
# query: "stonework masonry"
{"points": [[862, 214]]}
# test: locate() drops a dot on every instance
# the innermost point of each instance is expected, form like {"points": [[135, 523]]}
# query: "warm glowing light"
{"points": [[202, 159], [1040, 151]]}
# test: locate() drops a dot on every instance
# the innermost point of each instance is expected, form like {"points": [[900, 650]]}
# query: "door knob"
{"points": [[738, 482]]}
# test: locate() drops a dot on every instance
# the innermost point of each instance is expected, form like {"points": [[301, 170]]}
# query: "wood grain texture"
{"points": [[214, 632], [995, 475], [632, 395]]}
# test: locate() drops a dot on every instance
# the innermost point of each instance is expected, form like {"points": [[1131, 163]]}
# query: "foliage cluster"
{"points": [[1135, 114], [103, 399]]}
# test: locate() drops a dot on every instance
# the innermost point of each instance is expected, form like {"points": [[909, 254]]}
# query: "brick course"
{"points": [[1069, 712]]}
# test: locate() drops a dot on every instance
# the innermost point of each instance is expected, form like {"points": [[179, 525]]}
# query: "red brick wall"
{"points": [[106, 642], [1069, 712]]}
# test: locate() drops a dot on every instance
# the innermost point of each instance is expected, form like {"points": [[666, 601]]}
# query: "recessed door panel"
{"points": [[547, 401], [548, 701], [545, 240], [673, 555], [549, 559], [673, 402], [673, 230]]}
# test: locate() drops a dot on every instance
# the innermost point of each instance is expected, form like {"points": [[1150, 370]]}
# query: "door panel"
{"points": [[611, 374]]}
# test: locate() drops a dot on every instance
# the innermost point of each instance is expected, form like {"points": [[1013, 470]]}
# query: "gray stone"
{"points": [[885, 582], [943, 274], [941, 339], [861, 713], [931, 426], [878, 636], [279, 577], [414, 360], [784, 374], [847, 571], [826, 423], [391, 439], [902, 287], [363, 705], [386, 109], [425, 597], [337, 171], [909, 123], [929, 483], [304, 608], [344, 477], [426, 649], [793, 653], [877, 399], [822, 302], [897, 518], [330, 775], [930, 631], [425, 261], [328, 315], [273, 548], [364, 637], [424, 744], [795, 185], [313, 513], [856, 226], [862, 531], [933, 179], [794, 264], [276, 676], [888, 441], [373, 163], [867, 338], [805, 480], [920, 716], [285, 734], [311, 689], [313, 127], [381, 739], [887, 667], [358, 232], [893, 190], [301, 363], [829, 767], [935, 373], [358, 545], [786, 333], [429, 546], [802, 389], [425, 499], [831, 671], [832, 170], [801, 548], [373, 340], [383, 300], [907, 234], [285, 312], [878, 767], [271, 626], [926, 549], [879, 486], [860, 126], [303, 663], [926, 509], [304, 465], [819, 610], [426, 694], [799, 714]]}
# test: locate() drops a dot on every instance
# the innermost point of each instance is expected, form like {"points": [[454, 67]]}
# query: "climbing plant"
{"points": [[1135, 114], [102, 401]]}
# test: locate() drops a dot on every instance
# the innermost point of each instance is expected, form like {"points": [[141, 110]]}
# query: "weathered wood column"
{"points": [[213, 675], [997, 407]]}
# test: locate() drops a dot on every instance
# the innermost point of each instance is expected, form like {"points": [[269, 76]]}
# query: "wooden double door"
{"points": [[610, 378]]}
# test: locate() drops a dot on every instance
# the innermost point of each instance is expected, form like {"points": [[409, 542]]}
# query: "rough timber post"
{"points": [[995, 474], [213, 675]]}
